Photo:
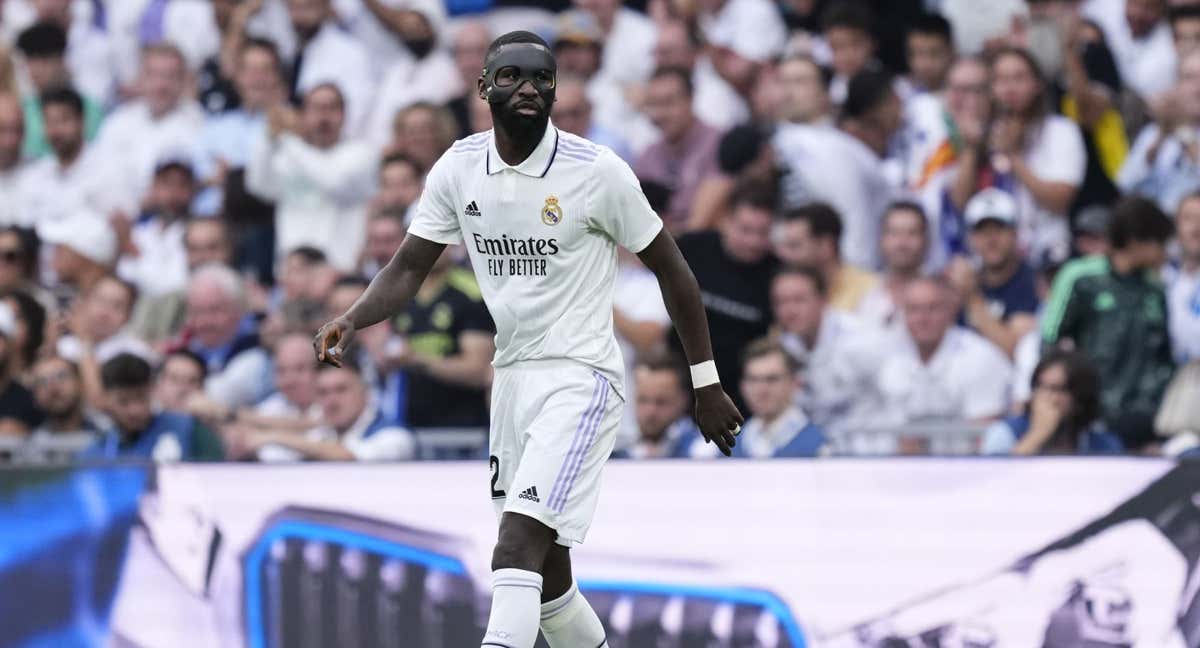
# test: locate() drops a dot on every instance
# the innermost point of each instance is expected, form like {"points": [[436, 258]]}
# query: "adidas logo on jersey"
{"points": [[472, 210], [530, 494]]}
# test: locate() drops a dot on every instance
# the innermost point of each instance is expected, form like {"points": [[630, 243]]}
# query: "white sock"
{"points": [[516, 597], [569, 622]]}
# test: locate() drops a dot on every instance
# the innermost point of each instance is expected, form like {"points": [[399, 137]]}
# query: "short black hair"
{"points": [[125, 371], [823, 220], [665, 360], [43, 40], [309, 255], [767, 346], [905, 206], [1183, 12], [932, 24], [808, 272], [401, 158], [63, 96], [30, 247], [1138, 219], [740, 146], [684, 76], [849, 14], [513, 38], [866, 91], [190, 356], [256, 43], [756, 194]]}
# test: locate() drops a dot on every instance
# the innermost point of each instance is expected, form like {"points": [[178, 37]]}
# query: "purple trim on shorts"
{"points": [[593, 430], [579, 434]]}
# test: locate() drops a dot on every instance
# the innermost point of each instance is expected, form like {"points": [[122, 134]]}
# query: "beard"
{"points": [[520, 126]]}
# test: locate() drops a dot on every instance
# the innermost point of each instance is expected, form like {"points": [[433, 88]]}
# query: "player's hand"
{"points": [[332, 340], [719, 419]]}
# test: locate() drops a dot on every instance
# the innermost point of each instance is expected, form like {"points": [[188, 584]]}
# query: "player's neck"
{"points": [[516, 147]]}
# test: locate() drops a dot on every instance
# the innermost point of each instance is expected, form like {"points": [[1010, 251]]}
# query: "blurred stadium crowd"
{"points": [[919, 226]]}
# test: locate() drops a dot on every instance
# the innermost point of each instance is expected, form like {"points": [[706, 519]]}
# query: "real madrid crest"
{"points": [[552, 214]]}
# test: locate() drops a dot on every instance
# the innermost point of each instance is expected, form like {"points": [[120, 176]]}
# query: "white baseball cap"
{"points": [[87, 233], [991, 204], [8, 322]]}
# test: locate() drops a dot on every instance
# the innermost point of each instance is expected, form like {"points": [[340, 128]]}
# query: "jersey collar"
{"points": [[536, 165]]}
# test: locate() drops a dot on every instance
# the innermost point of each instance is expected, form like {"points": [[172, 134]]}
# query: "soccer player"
{"points": [[541, 213]]}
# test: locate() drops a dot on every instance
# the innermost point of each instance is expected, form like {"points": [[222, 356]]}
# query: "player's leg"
{"points": [[517, 581], [567, 619]]}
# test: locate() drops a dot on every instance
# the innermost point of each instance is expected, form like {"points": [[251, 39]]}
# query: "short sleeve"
{"points": [[388, 444], [618, 207], [1060, 154], [436, 218]]}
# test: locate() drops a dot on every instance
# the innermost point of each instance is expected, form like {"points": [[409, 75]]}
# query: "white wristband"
{"points": [[704, 374]]}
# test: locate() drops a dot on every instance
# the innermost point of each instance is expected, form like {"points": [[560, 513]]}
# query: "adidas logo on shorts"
{"points": [[530, 494], [472, 210]]}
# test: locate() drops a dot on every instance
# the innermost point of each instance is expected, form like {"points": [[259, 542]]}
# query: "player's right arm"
{"points": [[388, 293], [434, 227]]}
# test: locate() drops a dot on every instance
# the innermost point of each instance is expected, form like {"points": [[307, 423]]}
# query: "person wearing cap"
{"points": [[687, 152], [18, 412], [1091, 230], [44, 47], [999, 300], [1113, 308], [156, 261], [77, 175], [85, 250]]}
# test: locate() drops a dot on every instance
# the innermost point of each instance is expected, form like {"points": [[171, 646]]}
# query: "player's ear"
{"points": [[481, 88]]}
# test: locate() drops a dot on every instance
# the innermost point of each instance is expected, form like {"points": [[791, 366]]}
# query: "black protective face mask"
{"points": [[515, 64]]}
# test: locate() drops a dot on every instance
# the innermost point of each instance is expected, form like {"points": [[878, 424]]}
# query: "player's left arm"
{"points": [[716, 414]]}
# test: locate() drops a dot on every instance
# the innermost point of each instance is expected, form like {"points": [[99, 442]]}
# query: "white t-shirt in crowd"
{"points": [[542, 239], [49, 192], [320, 195], [637, 295], [753, 29], [10, 185], [1056, 154], [1146, 64], [433, 79], [838, 369], [860, 191], [186, 24], [160, 267], [1183, 304], [966, 379], [628, 55], [334, 56], [133, 142], [382, 44]]}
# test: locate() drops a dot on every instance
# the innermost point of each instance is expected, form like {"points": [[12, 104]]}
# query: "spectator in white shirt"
{"points": [[156, 261], [90, 52], [805, 97], [1140, 40], [938, 371], [76, 177], [1164, 163], [1183, 284], [327, 54], [428, 75], [85, 250], [293, 408], [629, 39], [12, 134], [837, 351], [904, 246], [393, 31], [354, 429], [162, 121], [1037, 156], [743, 34], [320, 182]]}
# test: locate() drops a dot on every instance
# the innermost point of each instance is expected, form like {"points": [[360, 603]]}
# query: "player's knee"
{"points": [[523, 544]]}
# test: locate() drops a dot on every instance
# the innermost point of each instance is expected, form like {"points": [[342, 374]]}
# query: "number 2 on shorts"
{"points": [[495, 463]]}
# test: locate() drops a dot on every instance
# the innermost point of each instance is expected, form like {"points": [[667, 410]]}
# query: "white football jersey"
{"points": [[542, 238]]}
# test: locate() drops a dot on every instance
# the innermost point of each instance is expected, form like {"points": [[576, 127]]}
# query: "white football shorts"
{"points": [[553, 426]]}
